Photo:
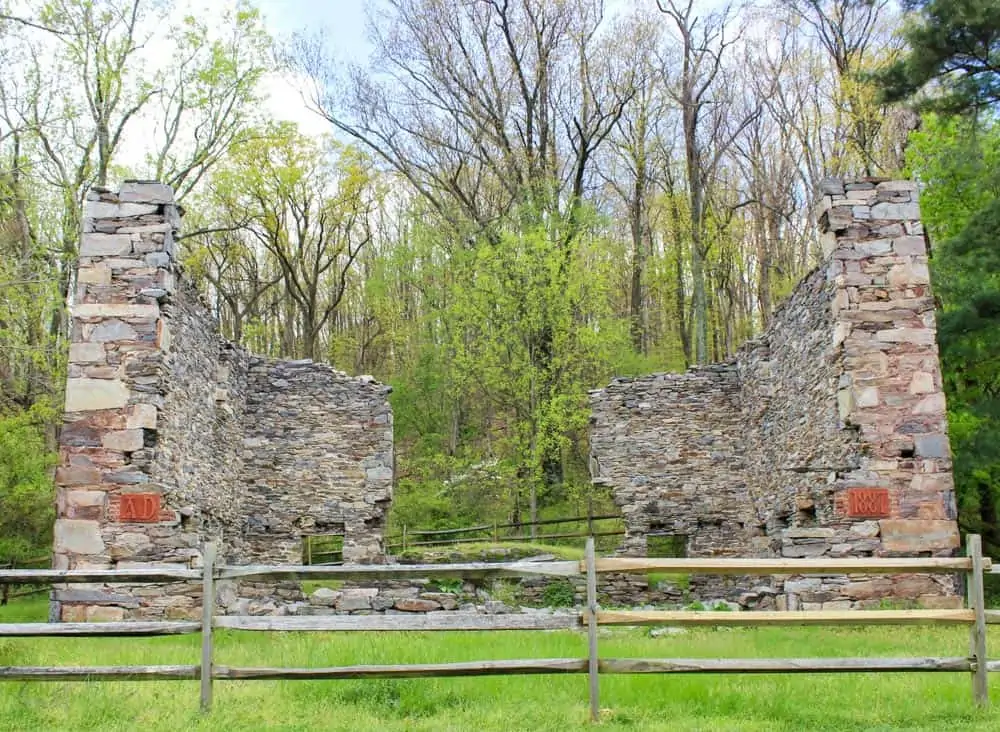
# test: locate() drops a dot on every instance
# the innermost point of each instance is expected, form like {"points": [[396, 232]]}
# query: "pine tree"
{"points": [[954, 55]]}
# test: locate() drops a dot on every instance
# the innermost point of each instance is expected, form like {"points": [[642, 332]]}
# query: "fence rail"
{"points": [[499, 533], [975, 616], [496, 533], [5, 589]]}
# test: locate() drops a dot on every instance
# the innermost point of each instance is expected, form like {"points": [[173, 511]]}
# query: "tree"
{"points": [[634, 157], [776, 166], [25, 483], [484, 107], [307, 205], [88, 89], [104, 85], [708, 128], [957, 158], [493, 111], [952, 67], [83, 86], [954, 54], [222, 258], [30, 355], [856, 38]]}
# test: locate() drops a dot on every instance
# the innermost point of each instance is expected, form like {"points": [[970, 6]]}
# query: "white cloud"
{"points": [[285, 101]]}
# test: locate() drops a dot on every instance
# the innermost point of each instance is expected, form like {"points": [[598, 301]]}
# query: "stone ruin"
{"points": [[173, 436], [824, 437]]}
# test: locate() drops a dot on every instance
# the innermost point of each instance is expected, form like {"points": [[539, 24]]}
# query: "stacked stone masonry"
{"points": [[173, 436], [824, 437]]}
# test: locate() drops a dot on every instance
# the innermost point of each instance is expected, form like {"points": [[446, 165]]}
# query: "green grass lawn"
{"points": [[774, 702]]}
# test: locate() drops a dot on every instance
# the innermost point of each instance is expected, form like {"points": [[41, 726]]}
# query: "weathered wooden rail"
{"points": [[523, 531], [6, 593], [207, 671], [497, 533]]}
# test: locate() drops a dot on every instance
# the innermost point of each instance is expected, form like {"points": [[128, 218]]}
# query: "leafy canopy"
{"points": [[954, 53]]}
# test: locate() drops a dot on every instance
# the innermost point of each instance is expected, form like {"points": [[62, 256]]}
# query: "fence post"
{"points": [[980, 681], [5, 591], [207, 611], [592, 665], [404, 537]]}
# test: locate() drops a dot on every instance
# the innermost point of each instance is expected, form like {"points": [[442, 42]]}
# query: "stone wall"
{"points": [[172, 436], [311, 431], [825, 436], [674, 473]]}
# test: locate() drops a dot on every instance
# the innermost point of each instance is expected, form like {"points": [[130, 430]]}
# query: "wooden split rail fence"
{"points": [[317, 551], [975, 616], [526, 531], [5, 588]]}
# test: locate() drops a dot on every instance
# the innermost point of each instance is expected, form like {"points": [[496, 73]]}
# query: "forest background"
{"points": [[514, 200]]}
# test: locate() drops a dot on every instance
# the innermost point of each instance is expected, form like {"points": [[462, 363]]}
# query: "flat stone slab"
{"points": [[919, 535], [77, 536], [106, 210], [125, 311], [140, 191], [83, 395]]}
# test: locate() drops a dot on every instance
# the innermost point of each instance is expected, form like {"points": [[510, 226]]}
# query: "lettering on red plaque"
{"points": [[140, 507], [868, 502]]}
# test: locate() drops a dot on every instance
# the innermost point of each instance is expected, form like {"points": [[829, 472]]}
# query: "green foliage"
{"points": [[31, 360], [26, 493], [957, 159], [956, 44], [446, 584], [284, 208], [668, 546], [425, 504], [680, 581], [991, 590], [970, 350], [559, 593], [491, 374], [531, 333], [719, 606], [506, 591]]}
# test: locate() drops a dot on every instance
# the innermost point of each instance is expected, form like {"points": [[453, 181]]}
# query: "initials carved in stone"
{"points": [[868, 502], [140, 507]]}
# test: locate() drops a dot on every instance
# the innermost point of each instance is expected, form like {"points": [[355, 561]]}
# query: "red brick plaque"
{"points": [[140, 507], [868, 502]]}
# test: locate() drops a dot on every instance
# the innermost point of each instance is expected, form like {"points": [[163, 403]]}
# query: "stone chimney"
{"points": [[890, 389], [107, 505]]}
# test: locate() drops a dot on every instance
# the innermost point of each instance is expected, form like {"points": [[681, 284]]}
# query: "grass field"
{"points": [[817, 702]]}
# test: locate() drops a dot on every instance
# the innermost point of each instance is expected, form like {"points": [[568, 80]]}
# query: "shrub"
{"points": [[559, 593], [25, 485]]}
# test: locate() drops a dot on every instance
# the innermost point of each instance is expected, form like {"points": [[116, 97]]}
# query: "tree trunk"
{"points": [[637, 314]]}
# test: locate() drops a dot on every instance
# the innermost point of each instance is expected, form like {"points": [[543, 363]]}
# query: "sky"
{"points": [[344, 24], [345, 19]]}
